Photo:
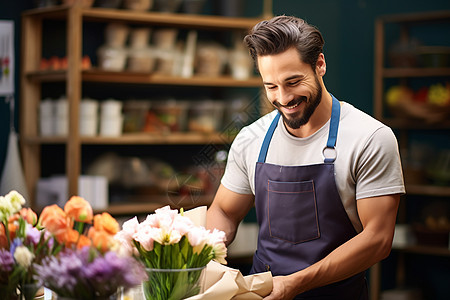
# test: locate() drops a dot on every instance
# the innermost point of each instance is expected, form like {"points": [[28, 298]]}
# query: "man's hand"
{"points": [[281, 290]]}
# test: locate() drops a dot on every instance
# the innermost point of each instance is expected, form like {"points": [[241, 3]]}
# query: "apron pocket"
{"points": [[292, 211], [258, 265]]}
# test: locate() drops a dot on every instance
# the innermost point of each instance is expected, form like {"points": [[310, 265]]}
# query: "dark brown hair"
{"points": [[280, 33]]}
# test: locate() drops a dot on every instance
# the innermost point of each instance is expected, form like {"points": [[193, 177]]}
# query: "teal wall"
{"points": [[347, 25]]}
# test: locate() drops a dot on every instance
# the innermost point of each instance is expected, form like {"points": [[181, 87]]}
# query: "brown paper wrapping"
{"points": [[225, 283]]}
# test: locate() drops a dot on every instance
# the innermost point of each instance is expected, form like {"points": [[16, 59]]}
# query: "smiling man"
{"points": [[325, 178]]}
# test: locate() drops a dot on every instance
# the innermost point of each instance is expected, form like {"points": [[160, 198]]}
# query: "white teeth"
{"points": [[293, 106]]}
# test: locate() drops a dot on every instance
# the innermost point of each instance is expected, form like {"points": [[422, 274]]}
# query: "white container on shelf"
{"points": [[111, 108], [111, 118], [61, 117], [88, 126], [111, 126], [46, 117], [88, 117], [88, 108], [61, 126], [112, 58], [62, 107]]}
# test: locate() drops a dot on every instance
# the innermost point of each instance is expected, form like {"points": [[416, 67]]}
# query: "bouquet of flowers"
{"points": [[23, 244], [90, 265], [168, 244]]}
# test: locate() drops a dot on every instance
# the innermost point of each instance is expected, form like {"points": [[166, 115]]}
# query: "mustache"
{"points": [[295, 101]]}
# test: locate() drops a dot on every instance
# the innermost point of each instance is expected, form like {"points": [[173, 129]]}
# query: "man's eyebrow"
{"points": [[297, 76]]}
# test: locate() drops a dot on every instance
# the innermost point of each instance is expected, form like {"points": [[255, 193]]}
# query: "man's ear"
{"points": [[321, 65]]}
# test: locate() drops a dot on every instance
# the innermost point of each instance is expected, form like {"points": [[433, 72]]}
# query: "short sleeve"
{"points": [[379, 170], [237, 176]]}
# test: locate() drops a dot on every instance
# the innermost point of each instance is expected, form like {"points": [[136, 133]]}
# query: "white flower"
{"points": [[220, 252], [16, 200], [6, 209], [166, 237], [23, 256]]}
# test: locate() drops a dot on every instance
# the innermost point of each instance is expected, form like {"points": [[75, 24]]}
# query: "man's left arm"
{"points": [[372, 244]]}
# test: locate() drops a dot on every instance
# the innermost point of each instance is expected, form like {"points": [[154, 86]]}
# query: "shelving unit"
{"points": [[425, 191], [32, 79]]}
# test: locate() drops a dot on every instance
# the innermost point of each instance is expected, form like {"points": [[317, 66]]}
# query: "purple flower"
{"points": [[87, 273], [33, 234], [6, 261], [15, 243]]}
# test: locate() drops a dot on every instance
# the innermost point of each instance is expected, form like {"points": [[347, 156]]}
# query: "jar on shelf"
{"points": [[139, 37], [141, 60], [116, 34], [112, 58]]}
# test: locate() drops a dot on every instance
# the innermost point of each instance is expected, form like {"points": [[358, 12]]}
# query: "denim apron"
{"points": [[301, 217]]}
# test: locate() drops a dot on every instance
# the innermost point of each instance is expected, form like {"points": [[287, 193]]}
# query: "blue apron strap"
{"points": [[334, 125], [267, 138]]}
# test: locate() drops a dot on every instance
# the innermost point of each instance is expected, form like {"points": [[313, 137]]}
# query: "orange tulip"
{"points": [[70, 237], [106, 222], [55, 221], [83, 242], [74, 238], [100, 239], [12, 228], [79, 209], [29, 215], [3, 238], [13, 218]]}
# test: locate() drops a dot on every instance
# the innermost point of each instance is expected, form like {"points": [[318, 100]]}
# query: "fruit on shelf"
{"points": [[398, 93], [61, 63], [438, 94]]}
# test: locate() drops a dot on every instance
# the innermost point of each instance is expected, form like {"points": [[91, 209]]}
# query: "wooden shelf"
{"points": [[151, 18], [426, 250], [428, 190], [415, 124], [180, 138], [97, 75], [187, 138]]}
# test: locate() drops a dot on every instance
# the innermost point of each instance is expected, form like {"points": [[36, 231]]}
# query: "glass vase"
{"points": [[29, 291], [173, 284]]}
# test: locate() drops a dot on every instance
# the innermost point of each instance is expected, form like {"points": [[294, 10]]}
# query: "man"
{"points": [[325, 178]]}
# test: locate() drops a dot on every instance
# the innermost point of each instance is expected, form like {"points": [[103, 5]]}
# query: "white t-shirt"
{"points": [[367, 164]]}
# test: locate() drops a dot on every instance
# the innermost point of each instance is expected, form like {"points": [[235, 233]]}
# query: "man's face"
{"points": [[291, 86]]}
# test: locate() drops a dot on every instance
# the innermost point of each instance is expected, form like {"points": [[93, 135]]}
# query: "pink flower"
{"points": [[216, 237], [217, 240], [145, 236], [198, 237], [182, 224], [125, 236]]}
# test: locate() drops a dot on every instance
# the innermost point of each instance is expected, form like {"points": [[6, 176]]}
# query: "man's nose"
{"points": [[285, 96]]}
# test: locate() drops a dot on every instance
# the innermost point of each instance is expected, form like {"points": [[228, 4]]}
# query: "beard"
{"points": [[300, 118]]}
